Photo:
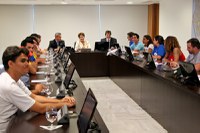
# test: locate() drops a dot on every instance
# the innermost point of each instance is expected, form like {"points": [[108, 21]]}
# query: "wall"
{"points": [[176, 19], [196, 19], [17, 22]]}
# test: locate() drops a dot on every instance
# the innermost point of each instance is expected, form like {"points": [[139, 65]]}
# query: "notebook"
{"points": [[87, 112]]}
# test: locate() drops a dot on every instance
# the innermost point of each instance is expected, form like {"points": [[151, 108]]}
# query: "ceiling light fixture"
{"points": [[129, 2], [64, 2]]}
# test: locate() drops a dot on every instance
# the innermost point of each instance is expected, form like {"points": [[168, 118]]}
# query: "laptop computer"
{"points": [[69, 75], [66, 82], [66, 50], [149, 60], [85, 50], [101, 46], [87, 112], [65, 62], [189, 73], [130, 55]]}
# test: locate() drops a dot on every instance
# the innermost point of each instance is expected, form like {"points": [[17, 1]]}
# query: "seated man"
{"points": [[136, 46], [112, 41], [193, 47], [15, 95], [130, 38], [28, 43], [37, 46], [36, 54], [57, 42]]}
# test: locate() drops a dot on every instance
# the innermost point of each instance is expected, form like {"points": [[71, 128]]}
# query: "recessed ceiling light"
{"points": [[64, 2], [129, 2]]}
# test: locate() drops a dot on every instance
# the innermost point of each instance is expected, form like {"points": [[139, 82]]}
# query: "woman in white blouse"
{"points": [[148, 44], [81, 43]]}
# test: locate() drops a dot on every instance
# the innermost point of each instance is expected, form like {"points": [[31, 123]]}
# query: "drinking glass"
{"points": [[51, 115], [48, 75], [48, 89]]}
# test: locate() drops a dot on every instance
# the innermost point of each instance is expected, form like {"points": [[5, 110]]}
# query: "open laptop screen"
{"points": [[149, 60], [65, 62], [85, 50], [101, 46], [69, 75], [87, 112], [128, 51], [189, 72]]}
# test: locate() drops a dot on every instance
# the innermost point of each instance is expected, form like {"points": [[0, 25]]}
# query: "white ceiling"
{"points": [[78, 2]]}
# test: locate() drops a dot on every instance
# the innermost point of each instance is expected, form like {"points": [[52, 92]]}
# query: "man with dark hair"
{"points": [[37, 48], [28, 43], [136, 46], [15, 95], [57, 42], [37, 36], [112, 41], [130, 37], [193, 47]]}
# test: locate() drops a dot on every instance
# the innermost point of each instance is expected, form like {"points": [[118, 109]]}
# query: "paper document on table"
{"points": [[51, 128], [41, 72], [43, 66], [39, 81]]}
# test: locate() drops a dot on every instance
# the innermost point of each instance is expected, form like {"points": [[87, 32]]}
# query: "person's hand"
{"points": [[38, 88], [112, 48], [135, 52], [174, 65], [70, 101], [42, 60], [164, 61]]}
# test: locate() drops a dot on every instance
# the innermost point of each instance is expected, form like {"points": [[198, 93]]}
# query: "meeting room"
{"points": [[99, 66]]}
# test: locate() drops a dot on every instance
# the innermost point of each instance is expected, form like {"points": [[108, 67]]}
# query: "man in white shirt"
{"points": [[15, 95]]}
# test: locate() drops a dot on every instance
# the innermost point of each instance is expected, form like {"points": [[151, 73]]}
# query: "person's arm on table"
{"points": [[69, 101]]}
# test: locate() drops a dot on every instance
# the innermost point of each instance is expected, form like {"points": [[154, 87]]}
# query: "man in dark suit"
{"points": [[112, 41], [57, 42]]}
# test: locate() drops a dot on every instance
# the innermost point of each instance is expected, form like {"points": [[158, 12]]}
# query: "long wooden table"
{"points": [[174, 105], [30, 122]]}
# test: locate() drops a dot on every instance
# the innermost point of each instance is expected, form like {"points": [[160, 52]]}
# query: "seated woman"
{"points": [[148, 44], [173, 51], [81, 43], [159, 50]]}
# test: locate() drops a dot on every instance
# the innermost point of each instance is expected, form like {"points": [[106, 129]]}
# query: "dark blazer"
{"points": [[113, 41], [54, 45]]}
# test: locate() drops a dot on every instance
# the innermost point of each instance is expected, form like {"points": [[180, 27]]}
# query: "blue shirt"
{"points": [[130, 43], [138, 46], [25, 78], [160, 50]]}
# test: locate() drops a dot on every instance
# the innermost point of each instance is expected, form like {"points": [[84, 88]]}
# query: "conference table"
{"points": [[176, 106], [30, 122]]}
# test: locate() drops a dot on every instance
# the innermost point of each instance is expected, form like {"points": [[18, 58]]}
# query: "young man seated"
{"points": [[15, 95]]}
